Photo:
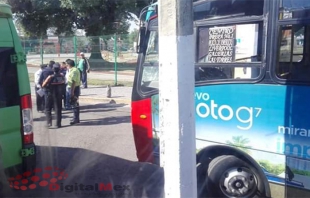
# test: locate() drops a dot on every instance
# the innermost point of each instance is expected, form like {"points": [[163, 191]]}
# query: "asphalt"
{"points": [[98, 95]]}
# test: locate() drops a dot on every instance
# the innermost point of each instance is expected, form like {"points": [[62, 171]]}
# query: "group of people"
{"points": [[55, 83]]}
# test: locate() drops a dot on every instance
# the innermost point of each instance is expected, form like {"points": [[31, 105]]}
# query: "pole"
{"points": [[75, 50], [41, 46], [115, 58], [176, 98]]}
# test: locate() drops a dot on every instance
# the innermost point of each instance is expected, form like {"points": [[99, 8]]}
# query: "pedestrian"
{"points": [[51, 63], [73, 90], [39, 98], [63, 70], [67, 105], [45, 73], [84, 68], [54, 91]]}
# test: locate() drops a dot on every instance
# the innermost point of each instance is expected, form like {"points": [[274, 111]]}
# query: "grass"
{"points": [[98, 82], [107, 66]]}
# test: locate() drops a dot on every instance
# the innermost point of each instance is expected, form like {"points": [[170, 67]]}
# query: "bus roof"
{"points": [[5, 10]]}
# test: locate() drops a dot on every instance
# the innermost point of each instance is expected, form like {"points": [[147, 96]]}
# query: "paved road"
{"points": [[98, 94], [121, 76], [100, 150]]}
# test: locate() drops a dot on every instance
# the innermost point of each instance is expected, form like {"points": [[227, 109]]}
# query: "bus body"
{"points": [[252, 72], [17, 149]]}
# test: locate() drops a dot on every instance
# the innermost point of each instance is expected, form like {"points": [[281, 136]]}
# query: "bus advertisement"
{"points": [[252, 73]]}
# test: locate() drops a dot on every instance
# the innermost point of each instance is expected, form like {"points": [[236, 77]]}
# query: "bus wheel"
{"points": [[229, 176]]}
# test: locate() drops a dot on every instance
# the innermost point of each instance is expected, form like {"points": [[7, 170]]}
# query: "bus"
{"points": [[17, 148], [252, 93]]}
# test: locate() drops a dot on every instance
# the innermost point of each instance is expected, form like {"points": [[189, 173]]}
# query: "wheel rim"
{"points": [[238, 182]]}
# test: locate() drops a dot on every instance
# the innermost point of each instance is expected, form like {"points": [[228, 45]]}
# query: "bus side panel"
{"points": [[10, 110], [10, 138], [269, 122], [6, 39]]}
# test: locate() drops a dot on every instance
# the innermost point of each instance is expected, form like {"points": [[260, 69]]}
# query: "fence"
{"points": [[105, 53]]}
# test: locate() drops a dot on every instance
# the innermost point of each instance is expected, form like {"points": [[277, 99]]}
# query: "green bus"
{"points": [[17, 148]]}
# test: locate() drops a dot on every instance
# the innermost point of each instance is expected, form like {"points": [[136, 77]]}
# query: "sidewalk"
{"points": [[97, 94]]}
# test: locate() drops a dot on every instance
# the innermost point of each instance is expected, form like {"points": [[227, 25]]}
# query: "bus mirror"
{"points": [[140, 46]]}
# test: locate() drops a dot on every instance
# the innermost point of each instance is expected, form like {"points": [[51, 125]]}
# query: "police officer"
{"points": [[54, 91]]}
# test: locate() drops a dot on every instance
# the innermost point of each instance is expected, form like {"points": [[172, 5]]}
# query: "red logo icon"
{"points": [[48, 176]]}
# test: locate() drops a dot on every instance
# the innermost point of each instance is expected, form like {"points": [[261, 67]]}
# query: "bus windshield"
{"points": [[150, 69]]}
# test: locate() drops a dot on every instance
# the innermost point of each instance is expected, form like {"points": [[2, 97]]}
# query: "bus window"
{"points": [[294, 9], [152, 48], [9, 93], [150, 66], [292, 64], [237, 43], [291, 41], [215, 9]]}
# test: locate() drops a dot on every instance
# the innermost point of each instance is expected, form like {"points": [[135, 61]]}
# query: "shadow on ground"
{"points": [[85, 169], [106, 121]]}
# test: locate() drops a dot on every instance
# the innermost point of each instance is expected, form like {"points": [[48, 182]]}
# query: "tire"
{"points": [[229, 176], [202, 175]]}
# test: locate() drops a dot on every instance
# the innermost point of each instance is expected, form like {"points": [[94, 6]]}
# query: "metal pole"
{"points": [[115, 58], [41, 45], [176, 98], [75, 50]]}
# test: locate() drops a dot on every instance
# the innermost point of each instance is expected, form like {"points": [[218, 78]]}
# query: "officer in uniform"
{"points": [[54, 91]]}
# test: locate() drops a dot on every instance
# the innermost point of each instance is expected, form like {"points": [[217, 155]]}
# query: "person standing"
{"points": [[63, 70], [47, 71], [68, 106], [84, 68], [51, 64], [73, 89], [39, 99], [54, 91]]}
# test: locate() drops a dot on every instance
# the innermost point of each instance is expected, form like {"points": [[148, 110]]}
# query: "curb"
{"points": [[98, 100], [105, 100]]}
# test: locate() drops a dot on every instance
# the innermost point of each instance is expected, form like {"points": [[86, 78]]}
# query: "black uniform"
{"points": [[54, 93], [45, 73], [63, 72]]}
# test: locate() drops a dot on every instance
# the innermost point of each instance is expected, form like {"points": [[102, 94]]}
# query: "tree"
{"points": [[240, 142], [36, 16], [103, 17], [96, 17], [132, 36]]}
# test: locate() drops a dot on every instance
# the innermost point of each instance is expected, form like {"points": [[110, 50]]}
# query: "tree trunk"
{"points": [[95, 49]]}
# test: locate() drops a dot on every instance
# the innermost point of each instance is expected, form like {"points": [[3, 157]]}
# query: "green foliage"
{"points": [[240, 142], [272, 168], [301, 172], [96, 17], [132, 36]]}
